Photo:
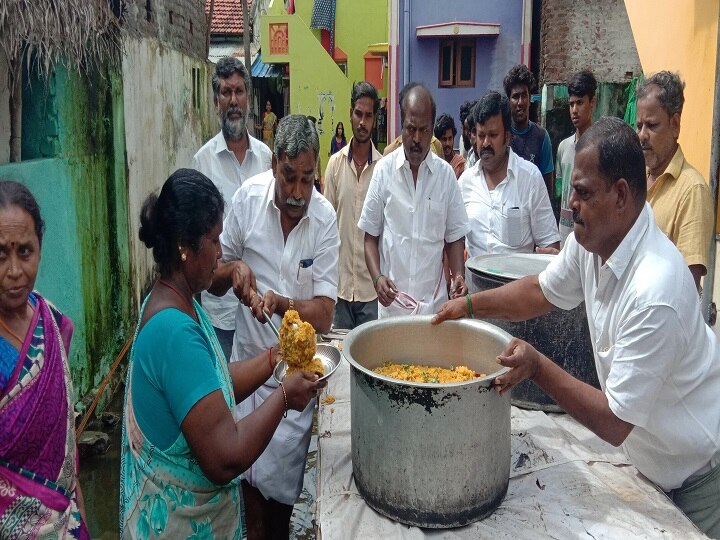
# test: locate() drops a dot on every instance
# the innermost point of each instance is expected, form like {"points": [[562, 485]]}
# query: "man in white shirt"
{"points": [[657, 362], [280, 251], [347, 178], [228, 159], [581, 102], [505, 196], [414, 205]]}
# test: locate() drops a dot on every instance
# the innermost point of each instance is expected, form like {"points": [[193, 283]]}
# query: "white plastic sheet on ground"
{"points": [[565, 482]]}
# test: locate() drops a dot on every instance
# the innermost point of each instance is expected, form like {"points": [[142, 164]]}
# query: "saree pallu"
{"points": [[38, 461], [164, 493]]}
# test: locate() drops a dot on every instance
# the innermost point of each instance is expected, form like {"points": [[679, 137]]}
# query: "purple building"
{"points": [[459, 49]]}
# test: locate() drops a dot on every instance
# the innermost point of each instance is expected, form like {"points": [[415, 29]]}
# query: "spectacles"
{"points": [[412, 130]]}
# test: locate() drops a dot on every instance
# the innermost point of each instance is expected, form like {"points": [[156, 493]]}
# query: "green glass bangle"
{"points": [[375, 281], [469, 303]]}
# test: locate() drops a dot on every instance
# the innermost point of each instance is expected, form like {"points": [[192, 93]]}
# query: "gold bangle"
{"points": [[282, 387]]}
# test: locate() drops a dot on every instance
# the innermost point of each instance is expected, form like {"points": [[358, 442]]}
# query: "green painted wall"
{"points": [[82, 190], [317, 85]]}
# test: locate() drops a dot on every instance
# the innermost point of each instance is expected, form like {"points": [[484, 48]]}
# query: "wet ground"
{"points": [[100, 481]]}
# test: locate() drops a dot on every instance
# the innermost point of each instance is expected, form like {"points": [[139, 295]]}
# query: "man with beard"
{"points": [[279, 253], [505, 196], [413, 213], [677, 192], [228, 159], [347, 178], [529, 141], [581, 91], [445, 132], [657, 361]]}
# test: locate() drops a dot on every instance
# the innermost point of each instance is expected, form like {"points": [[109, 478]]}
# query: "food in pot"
{"points": [[427, 374], [297, 345]]}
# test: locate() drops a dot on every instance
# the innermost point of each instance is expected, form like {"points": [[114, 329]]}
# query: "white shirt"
{"points": [[221, 166], [252, 232], [512, 218], [414, 222], [658, 362]]}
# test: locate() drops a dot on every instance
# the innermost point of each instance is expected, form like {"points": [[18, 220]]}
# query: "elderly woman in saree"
{"points": [[182, 451], [39, 491]]}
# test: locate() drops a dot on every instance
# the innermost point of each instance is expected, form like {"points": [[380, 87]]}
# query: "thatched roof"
{"points": [[81, 34]]}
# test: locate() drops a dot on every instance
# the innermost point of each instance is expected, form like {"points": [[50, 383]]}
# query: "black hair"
{"points": [[406, 91], [583, 84], [364, 89], [620, 154], [471, 116], [225, 68], [518, 75], [188, 207], [14, 193], [443, 123], [670, 91], [465, 110], [491, 104]]}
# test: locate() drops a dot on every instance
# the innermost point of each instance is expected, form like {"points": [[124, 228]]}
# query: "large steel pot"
{"points": [[563, 336], [429, 455]]}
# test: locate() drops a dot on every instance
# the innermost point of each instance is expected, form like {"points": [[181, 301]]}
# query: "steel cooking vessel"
{"points": [[429, 455], [563, 336]]}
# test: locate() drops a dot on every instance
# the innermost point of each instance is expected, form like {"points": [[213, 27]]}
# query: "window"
{"points": [[196, 88], [457, 63]]}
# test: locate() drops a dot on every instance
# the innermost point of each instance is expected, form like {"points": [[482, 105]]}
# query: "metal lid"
{"points": [[509, 265]]}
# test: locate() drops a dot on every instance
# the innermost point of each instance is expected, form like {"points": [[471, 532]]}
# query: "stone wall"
{"points": [[181, 24], [579, 34]]}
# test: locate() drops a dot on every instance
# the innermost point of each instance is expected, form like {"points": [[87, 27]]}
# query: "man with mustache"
{"points": [[347, 178], [228, 159], [279, 252], [657, 361], [581, 102], [413, 214], [677, 192], [529, 140], [445, 132], [504, 195]]}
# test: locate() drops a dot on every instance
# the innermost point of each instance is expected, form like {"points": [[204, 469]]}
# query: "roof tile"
{"points": [[227, 16]]}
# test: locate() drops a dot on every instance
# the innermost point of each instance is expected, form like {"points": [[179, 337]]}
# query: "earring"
{"points": [[183, 257]]}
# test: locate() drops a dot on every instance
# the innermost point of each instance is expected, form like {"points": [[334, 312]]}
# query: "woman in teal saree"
{"points": [[182, 451]]}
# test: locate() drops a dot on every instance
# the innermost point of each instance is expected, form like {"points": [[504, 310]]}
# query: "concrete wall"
{"points": [[595, 34], [101, 144], [4, 110], [163, 129], [82, 190], [494, 56]]}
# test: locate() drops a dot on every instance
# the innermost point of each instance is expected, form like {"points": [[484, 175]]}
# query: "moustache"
{"points": [[645, 147], [234, 110], [292, 201], [576, 218], [489, 151]]}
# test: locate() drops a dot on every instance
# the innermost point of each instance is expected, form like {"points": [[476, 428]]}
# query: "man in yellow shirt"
{"points": [[679, 196]]}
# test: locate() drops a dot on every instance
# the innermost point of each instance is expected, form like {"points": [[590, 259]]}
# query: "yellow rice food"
{"points": [[297, 345], [427, 374]]}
